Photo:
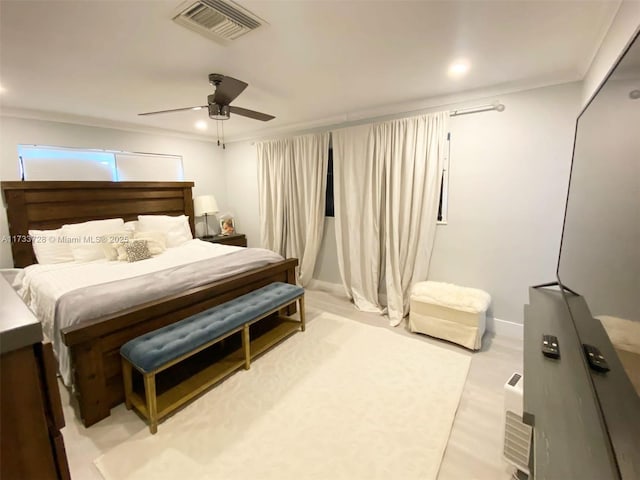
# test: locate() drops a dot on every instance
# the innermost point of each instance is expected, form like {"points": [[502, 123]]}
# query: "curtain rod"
{"points": [[499, 107], [480, 108]]}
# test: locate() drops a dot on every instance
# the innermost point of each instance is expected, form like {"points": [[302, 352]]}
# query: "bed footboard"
{"points": [[95, 345]]}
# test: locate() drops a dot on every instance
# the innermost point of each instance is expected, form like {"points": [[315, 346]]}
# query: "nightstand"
{"points": [[237, 239]]}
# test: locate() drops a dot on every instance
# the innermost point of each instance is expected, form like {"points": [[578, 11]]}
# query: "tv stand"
{"points": [[583, 428]]}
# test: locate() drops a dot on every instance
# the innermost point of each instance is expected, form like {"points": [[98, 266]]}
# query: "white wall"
{"points": [[241, 173], [507, 188], [508, 184], [202, 160], [622, 30]]}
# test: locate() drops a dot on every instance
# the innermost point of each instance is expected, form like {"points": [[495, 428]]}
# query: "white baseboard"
{"points": [[496, 325], [505, 328]]}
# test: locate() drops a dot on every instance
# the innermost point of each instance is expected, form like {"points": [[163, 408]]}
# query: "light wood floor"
{"points": [[474, 448]]}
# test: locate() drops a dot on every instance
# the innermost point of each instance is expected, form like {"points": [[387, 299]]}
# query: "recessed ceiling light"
{"points": [[201, 125], [459, 68]]}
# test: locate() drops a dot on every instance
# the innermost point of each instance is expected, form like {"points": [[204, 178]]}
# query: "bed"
{"points": [[94, 344]]}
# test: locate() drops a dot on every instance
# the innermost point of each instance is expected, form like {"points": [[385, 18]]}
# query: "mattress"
{"points": [[67, 294]]}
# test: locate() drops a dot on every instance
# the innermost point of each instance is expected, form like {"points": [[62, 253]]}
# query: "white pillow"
{"points": [[156, 241], [110, 242], [122, 251], [84, 238], [176, 229], [131, 226], [49, 247]]}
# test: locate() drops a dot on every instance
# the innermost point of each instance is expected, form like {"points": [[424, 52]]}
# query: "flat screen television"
{"points": [[600, 251]]}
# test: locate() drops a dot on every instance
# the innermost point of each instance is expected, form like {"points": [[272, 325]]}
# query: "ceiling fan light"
{"points": [[219, 112]]}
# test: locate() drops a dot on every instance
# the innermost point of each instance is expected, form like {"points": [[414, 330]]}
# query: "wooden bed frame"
{"points": [[95, 345]]}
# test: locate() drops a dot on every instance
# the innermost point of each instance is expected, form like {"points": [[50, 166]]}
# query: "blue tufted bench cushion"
{"points": [[152, 350]]}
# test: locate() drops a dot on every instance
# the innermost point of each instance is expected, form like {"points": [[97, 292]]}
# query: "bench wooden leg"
{"points": [[302, 320], [128, 382], [152, 407], [246, 346]]}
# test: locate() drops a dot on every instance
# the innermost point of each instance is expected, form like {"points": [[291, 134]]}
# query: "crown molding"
{"points": [[59, 117], [397, 110]]}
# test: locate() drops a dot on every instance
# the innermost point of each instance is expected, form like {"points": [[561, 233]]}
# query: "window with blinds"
{"points": [[39, 162]]}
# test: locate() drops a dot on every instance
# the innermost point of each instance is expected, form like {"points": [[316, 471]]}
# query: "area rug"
{"points": [[342, 400]]}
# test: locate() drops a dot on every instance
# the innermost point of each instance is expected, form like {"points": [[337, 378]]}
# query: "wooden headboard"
{"points": [[49, 205]]}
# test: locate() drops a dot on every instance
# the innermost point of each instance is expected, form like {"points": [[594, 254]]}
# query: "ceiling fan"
{"points": [[218, 103]]}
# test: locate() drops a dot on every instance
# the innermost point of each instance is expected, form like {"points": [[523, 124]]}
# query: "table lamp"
{"points": [[205, 205]]}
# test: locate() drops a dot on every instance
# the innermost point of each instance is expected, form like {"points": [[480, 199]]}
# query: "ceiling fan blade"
{"points": [[251, 114], [175, 110], [227, 88]]}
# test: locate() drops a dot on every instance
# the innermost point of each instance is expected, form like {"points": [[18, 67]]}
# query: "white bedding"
{"points": [[42, 286]]}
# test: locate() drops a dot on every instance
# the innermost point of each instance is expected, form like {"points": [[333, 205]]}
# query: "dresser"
{"points": [[31, 444], [236, 239], [585, 423]]}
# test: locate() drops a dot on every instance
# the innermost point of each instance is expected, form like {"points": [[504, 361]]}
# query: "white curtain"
{"points": [[292, 179], [357, 194], [386, 191]]}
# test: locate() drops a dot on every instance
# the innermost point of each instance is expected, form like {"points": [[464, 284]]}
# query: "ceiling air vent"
{"points": [[217, 19]]}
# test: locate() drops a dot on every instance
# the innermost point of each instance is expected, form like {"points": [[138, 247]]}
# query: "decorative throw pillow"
{"points": [[110, 242], [156, 241], [122, 252], [137, 250]]}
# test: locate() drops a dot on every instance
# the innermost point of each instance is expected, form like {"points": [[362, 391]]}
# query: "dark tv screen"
{"points": [[600, 252]]}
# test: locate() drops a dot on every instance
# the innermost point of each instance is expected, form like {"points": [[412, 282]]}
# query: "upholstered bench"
{"points": [[156, 351], [450, 312]]}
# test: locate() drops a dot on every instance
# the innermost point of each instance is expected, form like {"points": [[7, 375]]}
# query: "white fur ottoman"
{"points": [[450, 312]]}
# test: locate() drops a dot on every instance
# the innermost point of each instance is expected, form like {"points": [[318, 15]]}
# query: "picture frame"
{"points": [[227, 225]]}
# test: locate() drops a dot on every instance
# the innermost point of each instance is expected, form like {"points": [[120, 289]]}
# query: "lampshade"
{"points": [[205, 204]]}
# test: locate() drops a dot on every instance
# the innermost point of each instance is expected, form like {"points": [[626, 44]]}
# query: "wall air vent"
{"points": [[217, 19]]}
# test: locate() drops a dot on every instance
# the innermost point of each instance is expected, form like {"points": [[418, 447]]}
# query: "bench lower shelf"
{"points": [[176, 396]]}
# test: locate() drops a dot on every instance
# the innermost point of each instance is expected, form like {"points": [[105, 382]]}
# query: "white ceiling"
{"points": [[314, 62]]}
